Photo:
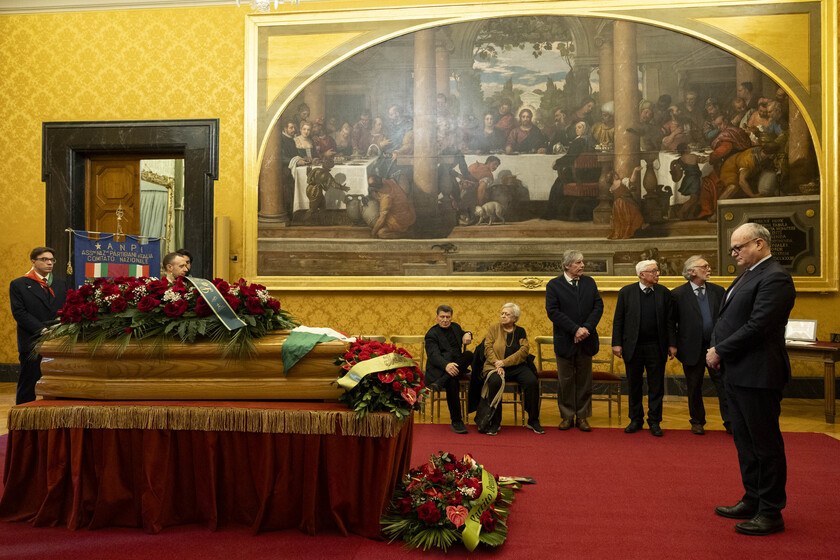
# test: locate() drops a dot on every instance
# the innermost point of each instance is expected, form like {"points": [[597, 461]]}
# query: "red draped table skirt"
{"points": [[269, 466]]}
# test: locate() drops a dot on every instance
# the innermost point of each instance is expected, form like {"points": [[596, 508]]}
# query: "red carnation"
{"points": [[176, 308], [202, 308], [254, 306], [118, 305], [397, 386], [148, 303], [429, 513]]}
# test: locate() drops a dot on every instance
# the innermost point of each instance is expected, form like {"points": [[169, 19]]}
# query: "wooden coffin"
{"points": [[188, 372]]}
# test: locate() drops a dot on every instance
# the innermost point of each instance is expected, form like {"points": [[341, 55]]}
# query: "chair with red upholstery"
{"points": [[602, 372]]}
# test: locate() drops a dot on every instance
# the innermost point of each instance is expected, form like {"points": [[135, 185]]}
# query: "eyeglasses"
{"points": [[654, 271], [45, 260], [737, 248]]}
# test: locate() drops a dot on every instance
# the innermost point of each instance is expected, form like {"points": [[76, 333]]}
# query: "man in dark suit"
{"points": [[748, 345], [446, 360], [574, 307], [35, 298], [695, 311], [642, 337]]}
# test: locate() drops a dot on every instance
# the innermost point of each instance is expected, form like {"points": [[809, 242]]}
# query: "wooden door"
{"points": [[112, 182]]}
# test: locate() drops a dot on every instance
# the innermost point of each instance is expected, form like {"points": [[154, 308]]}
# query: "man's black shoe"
{"points": [[535, 427], [741, 510], [761, 525], [459, 428], [633, 427], [655, 430], [728, 428]]}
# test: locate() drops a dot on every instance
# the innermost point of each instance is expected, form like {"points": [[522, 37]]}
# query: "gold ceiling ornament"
{"points": [[531, 282], [264, 6]]}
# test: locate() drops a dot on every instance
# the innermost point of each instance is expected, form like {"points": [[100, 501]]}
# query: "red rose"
{"points": [[176, 308], [74, 298], [488, 522], [397, 386], [475, 484], [233, 301], [221, 285], [448, 467], [119, 305], [70, 313], [254, 305], [89, 310], [273, 304], [428, 513], [404, 505], [178, 287], [364, 355], [109, 289], [202, 308], [247, 290], [147, 304], [158, 287], [85, 291]]}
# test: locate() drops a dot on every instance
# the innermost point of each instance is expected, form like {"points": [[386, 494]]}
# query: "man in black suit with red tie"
{"points": [[695, 311], [35, 298], [748, 345], [574, 307], [643, 337]]}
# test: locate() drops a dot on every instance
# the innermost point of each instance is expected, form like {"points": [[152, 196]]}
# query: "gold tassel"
{"points": [[199, 418]]}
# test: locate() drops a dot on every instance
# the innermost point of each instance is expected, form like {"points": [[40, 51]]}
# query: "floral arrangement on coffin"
{"points": [[446, 501], [390, 380], [126, 308]]}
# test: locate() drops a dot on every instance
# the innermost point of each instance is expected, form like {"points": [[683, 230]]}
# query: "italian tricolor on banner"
{"points": [[114, 270]]}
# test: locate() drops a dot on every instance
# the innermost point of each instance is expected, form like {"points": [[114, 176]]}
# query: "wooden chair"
{"points": [[376, 337], [512, 394], [603, 372]]}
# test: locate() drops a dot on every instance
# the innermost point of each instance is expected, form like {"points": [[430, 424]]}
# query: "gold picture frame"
{"points": [[310, 40]]}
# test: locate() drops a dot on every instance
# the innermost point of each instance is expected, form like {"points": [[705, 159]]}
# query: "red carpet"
{"points": [[600, 495]]}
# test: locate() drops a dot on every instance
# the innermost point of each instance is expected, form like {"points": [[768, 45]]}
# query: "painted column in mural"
{"points": [[424, 111], [626, 97]]}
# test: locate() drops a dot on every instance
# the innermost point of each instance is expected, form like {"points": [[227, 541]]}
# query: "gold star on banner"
{"points": [[98, 246]]}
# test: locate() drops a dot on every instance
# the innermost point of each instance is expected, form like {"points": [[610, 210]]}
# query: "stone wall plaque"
{"points": [[793, 222]]}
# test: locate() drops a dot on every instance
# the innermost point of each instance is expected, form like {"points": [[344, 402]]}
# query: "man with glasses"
{"points": [[695, 306], [748, 346], [642, 336], [35, 297]]}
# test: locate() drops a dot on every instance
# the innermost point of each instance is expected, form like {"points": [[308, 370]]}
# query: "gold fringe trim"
{"points": [[208, 419]]}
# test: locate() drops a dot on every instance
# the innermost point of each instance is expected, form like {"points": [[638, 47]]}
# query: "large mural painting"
{"points": [[485, 148]]}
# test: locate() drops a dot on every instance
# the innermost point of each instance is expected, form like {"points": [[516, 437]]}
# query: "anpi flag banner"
{"points": [[108, 255]]}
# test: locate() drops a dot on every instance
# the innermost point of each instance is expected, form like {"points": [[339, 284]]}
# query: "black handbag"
{"points": [[484, 415]]}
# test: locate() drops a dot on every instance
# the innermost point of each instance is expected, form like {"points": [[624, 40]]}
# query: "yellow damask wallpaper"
{"points": [[189, 63], [112, 65]]}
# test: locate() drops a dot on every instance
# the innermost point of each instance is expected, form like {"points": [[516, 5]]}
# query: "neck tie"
{"points": [[735, 285], [575, 283], [648, 290], [705, 313]]}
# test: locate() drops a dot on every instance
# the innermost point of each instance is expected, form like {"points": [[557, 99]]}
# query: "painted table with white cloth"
{"points": [[355, 175]]}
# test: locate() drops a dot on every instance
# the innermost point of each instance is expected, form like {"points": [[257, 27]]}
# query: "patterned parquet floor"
{"points": [[798, 415]]}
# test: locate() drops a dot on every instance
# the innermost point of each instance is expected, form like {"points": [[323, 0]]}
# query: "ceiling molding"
{"points": [[47, 6]]}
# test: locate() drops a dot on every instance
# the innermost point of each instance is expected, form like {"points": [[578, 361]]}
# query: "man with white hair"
{"points": [[748, 345], [642, 336], [695, 311]]}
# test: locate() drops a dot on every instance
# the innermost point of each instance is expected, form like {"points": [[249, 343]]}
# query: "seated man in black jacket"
{"points": [[446, 359]]}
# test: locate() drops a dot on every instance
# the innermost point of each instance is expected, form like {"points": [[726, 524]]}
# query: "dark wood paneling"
{"points": [[65, 145]]}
